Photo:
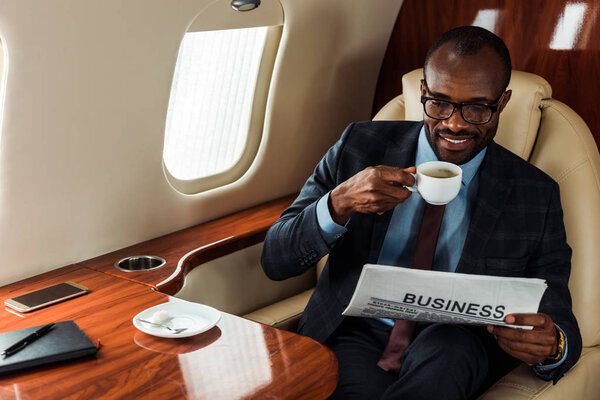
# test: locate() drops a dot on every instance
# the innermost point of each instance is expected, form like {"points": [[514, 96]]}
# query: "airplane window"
{"points": [[211, 104]]}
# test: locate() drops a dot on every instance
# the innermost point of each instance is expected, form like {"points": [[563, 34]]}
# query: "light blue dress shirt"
{"points": [[400, 239]]}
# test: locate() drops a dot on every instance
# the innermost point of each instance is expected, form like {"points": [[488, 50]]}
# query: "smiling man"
{"points": [[506, 221]]}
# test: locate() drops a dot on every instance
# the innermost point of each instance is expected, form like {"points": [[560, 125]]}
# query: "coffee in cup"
{"points": [[440, 173], [438, 182]]}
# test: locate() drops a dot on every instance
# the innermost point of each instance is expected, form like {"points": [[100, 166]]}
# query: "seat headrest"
{"points": [[519, 122]]}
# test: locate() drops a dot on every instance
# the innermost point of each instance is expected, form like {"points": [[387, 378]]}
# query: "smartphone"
{"points": [[45, 297]]}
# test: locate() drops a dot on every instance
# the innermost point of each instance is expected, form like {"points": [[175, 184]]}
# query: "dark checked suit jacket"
{"points": [[516, 229]]}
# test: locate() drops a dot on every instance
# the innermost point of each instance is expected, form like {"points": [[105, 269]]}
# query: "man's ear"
{"points": [[423, 88], [505, 100]]}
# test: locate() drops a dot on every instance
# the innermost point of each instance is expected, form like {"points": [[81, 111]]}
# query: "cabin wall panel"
{"points": [[86, 98], [528, 29]]}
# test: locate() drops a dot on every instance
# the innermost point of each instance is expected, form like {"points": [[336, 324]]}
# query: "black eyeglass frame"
{"points": [[493, 107]]}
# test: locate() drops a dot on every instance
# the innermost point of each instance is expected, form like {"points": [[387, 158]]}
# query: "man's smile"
{"points": [[455, 142]]}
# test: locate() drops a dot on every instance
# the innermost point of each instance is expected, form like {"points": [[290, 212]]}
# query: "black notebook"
{"points": [[65, 341]]}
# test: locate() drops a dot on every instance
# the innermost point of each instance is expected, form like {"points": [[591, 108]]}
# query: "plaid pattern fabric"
{"points": [[516, 229]]}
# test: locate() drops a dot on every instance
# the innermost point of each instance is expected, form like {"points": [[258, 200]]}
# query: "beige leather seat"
{"points": [[553, 137]]}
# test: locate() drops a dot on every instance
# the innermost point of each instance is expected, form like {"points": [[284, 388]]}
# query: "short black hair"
{"points": [[469, 40]]}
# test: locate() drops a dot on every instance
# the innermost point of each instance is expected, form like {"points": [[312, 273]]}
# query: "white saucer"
{"points": [[197, 318]]}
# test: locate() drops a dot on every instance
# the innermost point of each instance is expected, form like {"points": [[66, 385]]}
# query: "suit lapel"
{"points": [[402, 154], [494, 189]]}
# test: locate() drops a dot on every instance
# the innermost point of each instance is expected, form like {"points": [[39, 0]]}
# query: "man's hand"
{"points": [[372, 190], [529, 346]]}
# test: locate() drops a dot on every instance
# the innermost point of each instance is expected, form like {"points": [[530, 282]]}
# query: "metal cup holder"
{"points": [[140, 263]]}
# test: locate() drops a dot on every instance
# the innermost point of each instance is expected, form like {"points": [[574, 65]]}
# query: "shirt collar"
{"points": [[425, 153]]}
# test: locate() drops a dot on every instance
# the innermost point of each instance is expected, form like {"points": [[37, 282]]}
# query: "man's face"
{"points": [[462, 79]]}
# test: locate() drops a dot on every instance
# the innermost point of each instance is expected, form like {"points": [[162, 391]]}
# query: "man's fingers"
{"points": [[533, 349], [535, 320], [395, 174], [382, 202], [397, 193], [382, 196], [383, 193], [523, 335], [529, 359]]}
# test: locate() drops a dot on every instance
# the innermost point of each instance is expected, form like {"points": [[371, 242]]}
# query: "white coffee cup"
{"points": [[438, 182]]}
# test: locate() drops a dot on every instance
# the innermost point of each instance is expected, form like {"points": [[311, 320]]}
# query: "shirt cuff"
{"points": [[547, 367], [388, 321], [329, 229]]}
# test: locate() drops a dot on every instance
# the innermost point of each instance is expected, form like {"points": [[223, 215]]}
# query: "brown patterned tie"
{"points": [[402, 332]]}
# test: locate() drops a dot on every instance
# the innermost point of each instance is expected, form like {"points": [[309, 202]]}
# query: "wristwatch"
{"points": [[560, 348]]}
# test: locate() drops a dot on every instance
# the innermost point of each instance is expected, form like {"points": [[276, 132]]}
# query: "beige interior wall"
{"points": [[1, 70], [86, 96]]}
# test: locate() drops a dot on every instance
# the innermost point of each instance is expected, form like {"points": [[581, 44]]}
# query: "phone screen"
{"points": [[43, 296]]}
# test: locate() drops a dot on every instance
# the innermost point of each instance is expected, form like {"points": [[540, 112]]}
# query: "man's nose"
{"points": [[456, 122]]}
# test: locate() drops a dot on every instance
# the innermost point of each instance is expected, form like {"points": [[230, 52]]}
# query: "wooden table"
{"points": [[236, 359]]}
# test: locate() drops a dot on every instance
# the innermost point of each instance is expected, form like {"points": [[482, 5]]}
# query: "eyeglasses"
{"points": [[473, 113]]}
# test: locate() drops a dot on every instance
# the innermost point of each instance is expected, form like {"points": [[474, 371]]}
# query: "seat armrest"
{"points": [[284, 314]]}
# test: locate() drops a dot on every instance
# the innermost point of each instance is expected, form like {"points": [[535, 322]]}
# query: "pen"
{"points": [[26, 340]]}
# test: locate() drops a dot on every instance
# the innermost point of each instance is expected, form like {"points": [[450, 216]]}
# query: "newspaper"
{"points": [[447, 297]]}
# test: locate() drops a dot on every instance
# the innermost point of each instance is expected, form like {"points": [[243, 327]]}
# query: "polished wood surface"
{"points": [[236, 359], [556, 39], [200, 243]]}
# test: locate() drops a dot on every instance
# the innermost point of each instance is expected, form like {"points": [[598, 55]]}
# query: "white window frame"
{"points": [[259, 103]]}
